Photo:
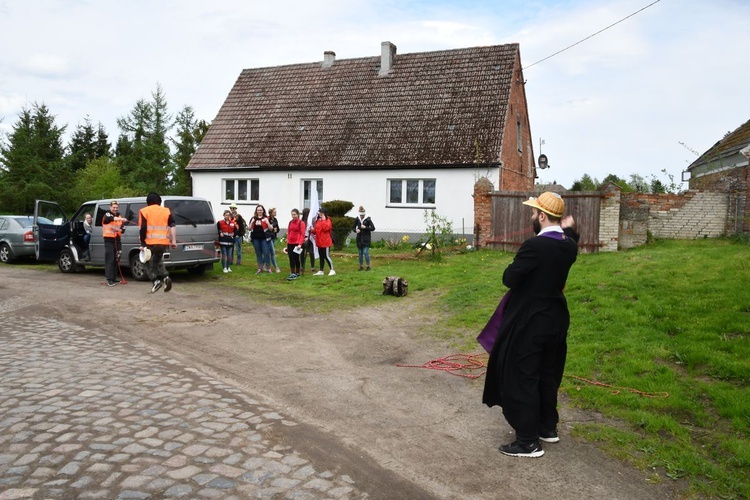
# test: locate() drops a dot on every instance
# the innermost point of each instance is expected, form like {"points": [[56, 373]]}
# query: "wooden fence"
{"points": [[511, 220]]}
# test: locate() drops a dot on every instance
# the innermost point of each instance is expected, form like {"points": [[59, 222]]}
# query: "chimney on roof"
{"points": [[328, 57], [387, 55]]}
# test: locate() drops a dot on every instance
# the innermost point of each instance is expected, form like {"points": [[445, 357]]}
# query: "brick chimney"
{"points": [[328, 57], [387, 55]]}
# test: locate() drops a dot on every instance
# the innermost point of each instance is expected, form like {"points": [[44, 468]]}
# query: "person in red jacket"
{"points": [[323, 240], [295, 238]]}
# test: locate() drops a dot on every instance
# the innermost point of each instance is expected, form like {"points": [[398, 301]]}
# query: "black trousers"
{"points": [[111, 247]]}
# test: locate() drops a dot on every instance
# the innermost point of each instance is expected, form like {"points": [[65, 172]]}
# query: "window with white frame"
{"points": [[411, 192], [242, 190], [307, 191]]}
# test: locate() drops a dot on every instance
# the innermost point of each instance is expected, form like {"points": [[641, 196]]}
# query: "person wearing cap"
{"points": [[527, 360], [111, 231], [239, 235], [158, 233], [323, 240], [363, 226]]}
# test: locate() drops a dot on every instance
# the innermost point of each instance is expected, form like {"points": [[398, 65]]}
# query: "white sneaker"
{"points": [[226, 269], [332, 273], [319, 273], [229, 269]]}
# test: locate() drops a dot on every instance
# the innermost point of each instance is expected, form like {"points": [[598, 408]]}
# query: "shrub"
{"points": [[342, 225]]}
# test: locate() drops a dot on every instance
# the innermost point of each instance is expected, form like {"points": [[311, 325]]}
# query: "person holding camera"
{"points": [[363, 227], [324, 241]]}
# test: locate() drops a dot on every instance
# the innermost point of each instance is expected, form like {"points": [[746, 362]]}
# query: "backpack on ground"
{"points": [[395, 285]]}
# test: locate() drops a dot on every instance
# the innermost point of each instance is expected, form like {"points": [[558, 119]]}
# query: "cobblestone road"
{"points": [[83, 415]]}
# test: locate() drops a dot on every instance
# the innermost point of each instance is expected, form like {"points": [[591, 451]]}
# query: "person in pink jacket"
{"points": [[322, 231]]}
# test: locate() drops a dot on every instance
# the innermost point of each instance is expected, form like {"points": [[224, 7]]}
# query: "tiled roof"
{"points": [[430, 109], [729, 145]]}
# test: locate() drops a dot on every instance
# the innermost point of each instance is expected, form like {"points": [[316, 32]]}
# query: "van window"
{"points": [[190, 212]]}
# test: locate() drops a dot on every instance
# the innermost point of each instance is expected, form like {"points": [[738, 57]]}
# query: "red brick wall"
{"points": [[482, 212]]}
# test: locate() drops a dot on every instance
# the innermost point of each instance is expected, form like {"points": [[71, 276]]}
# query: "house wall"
{"points": [[453, 195], [517, 173]]}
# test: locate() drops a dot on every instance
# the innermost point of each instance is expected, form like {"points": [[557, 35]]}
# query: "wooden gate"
{"points": [[511, 220]]}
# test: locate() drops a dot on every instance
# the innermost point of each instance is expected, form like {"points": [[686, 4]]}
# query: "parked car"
{"points": [[16, 237], [61, 239]]}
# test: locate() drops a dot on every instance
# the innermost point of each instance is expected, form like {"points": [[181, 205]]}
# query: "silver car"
{"points": [[16, 237]]}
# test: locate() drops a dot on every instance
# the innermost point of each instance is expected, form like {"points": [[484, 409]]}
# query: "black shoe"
{"points": [[361, 268], [111, 283], [549, 436], [157, 285], [167, 284], [516, 449]]}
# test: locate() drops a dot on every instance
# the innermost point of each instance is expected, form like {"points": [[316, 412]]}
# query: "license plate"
{"points": [[189, 248]]}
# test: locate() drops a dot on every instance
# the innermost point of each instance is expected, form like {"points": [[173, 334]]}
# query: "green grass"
{"points": [[672, 316]]}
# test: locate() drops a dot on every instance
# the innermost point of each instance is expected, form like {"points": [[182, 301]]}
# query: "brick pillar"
{"points": [[482, 211], [609, 218]]}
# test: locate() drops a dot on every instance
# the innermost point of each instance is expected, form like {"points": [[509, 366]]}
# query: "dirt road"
{"points": [[337, 374]]}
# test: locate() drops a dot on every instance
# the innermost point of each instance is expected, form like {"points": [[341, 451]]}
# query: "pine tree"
{"points": [[33, 162], [189, 134], [142, 150], [87, 144]]}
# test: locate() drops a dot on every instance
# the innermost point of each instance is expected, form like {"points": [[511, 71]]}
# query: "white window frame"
{"points": [[307, 186], [419, 203], [249, 192]]}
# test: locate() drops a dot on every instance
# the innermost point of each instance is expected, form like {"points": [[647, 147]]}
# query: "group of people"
{"points": [[314, 239], [157, 233]]}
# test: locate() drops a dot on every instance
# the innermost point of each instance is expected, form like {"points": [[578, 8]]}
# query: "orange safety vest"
{"points": [[112, 229], [157, 230]]}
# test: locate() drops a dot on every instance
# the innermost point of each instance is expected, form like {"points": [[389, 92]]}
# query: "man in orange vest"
{"points": [[158, 233], [111, 230]]}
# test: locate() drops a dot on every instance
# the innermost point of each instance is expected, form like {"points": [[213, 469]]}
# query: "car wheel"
{"points": [[66, 262], [5, 254], [137, 268]]}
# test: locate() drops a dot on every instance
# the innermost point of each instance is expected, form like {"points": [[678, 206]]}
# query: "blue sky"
{"points": [[620, 102]]}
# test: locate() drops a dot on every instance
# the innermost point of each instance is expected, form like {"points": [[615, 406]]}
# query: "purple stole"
{"points": [[488, 335]]}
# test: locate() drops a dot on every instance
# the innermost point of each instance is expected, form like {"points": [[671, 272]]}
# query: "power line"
{"points": [[591, 36]]}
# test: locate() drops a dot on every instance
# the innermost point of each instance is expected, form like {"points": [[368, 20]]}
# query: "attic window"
{"points": [[451, 127], [302, 127]]}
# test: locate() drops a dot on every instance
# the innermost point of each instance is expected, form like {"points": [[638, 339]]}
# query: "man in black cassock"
{"points": [[528, 357]]}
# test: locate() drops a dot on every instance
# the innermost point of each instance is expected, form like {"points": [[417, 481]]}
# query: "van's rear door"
{"points": [[51, 230]]}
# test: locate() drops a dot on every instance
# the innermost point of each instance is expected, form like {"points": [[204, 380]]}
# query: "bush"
{"points": [[342, 225]]}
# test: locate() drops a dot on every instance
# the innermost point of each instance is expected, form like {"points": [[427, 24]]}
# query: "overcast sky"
{"points": [[620, 102]]}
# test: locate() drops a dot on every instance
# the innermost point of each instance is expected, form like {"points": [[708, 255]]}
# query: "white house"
{"points": [[397, 134]]}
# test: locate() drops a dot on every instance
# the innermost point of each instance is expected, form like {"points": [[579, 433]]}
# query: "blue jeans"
{"points": [[238, 249], [262, 253], [272, 249], [227, 252], [364, 252]]}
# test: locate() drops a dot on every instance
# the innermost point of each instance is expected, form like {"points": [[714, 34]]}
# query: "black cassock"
{"points": [[528, 357]]}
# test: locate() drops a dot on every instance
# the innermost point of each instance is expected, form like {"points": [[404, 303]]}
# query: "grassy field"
{"points": [[659, 342], [665, 328]]}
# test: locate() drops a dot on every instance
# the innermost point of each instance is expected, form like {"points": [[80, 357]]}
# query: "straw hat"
{"points": [[548, 202]]}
